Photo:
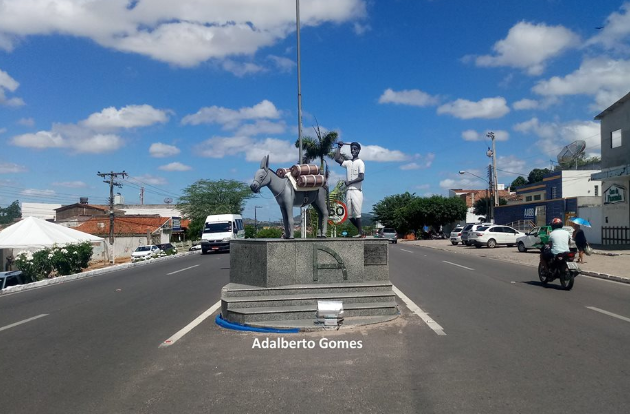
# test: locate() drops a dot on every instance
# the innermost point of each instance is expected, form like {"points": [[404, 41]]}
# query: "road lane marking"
{"points": [[181, 270], [408, 251], [458, 265], [422, 314], [24, 321], [614, 315], [170, 341]]}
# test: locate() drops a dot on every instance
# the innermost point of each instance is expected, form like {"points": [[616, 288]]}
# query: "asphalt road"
{"points": [[511, 345]]}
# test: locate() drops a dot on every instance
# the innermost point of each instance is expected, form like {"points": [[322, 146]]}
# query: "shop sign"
{"points": [[614, 194]]}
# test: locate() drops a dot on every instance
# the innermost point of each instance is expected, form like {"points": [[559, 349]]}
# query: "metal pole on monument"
{"points": [[299, 85]]}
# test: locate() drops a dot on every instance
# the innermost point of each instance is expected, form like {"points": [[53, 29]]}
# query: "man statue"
{"points": [[355, 173]]}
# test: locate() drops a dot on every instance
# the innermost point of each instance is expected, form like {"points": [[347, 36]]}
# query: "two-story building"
{"points": [[563, 194], [615, 173]]}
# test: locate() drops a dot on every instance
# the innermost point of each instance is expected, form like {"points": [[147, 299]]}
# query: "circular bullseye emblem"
{"points": [[337, 212]]}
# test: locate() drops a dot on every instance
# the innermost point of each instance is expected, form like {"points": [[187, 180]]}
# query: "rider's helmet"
{"points": [[556, 223]]}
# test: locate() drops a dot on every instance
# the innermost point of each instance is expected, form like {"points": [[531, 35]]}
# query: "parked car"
{"points": [[145, 252], [537, 237], [12, 278], [494, 235], [390, 234], [167, 248], [195, 247], [456, 235], [471, 227]]}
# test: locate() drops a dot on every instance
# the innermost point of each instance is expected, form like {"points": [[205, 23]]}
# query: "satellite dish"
{"points": [[168, 200], [572, 152]]}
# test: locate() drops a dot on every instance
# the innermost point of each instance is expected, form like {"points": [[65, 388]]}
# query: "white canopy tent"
{"points": [[32, 234]]}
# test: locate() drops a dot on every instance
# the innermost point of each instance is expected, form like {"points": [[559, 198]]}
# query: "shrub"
{"points": [[50, 262]]}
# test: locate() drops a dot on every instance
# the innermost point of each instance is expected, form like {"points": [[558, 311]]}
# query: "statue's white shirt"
{"points": [[353, 169]]}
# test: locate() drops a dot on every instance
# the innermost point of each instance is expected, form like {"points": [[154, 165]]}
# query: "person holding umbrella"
{"points": [[579, 237]]}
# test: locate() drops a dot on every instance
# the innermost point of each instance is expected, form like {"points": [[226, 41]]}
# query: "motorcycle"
{"points": [[562, 267]]}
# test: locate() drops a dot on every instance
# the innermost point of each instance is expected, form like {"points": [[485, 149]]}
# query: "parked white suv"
{"points": [[492, 236]]}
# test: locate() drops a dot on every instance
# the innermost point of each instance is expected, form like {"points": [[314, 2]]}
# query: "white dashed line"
{"points": [[408, 251], [422, 314], [24, 321], [614, 315], [458, 265], [181, 270]]}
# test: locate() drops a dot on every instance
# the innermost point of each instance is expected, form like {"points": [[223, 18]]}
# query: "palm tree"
{"points": [[318, 148]]}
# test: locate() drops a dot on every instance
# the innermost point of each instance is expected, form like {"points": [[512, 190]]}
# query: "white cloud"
{"points": [[7, 83], [472, 135], [525, 104], [512, 167], [421, 162], [283, 64], [77, 139], [487, 108], [605, 79], [29, 122], [380, 154], [219, 147], [131, 116], [412, 97], [148, 179], [529, 46], [32, 192], [241, 69], [11, 168], [159, 150], [614, 31], [230, 118], [70, 184], [261, 127], [175, 166], [158, 28], [361, 29], [555, 135]]}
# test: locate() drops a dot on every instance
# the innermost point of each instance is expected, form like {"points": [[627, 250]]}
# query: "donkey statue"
{"points": [[287, 197]]}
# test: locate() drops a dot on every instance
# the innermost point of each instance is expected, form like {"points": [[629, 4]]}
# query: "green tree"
{"points": [[481, 205], [390, 211], [536, 175], [318, 148], [581, 161], [250, 231], [205, 197], [270, 233], [10, 213], [520, 181]]}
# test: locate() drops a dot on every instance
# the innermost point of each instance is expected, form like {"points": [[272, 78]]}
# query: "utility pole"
{"points": [[490, 205], [493, 153], [256, 220], [112, 175], [141, 196]]}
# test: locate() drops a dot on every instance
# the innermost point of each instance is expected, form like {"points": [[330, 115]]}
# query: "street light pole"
{"points": [[493, 153]]}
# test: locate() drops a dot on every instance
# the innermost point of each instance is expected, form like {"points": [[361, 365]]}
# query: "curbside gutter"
{"points": [[84, 275]]}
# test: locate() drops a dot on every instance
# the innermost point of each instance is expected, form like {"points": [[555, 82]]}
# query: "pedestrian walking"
{"points": [[580, 241]]}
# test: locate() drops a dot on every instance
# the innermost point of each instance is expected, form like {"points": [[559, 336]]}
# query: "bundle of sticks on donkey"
{"points": [[288, 197]]}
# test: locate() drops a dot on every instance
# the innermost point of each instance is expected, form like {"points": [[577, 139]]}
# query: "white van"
{"points": [[219, 230]]}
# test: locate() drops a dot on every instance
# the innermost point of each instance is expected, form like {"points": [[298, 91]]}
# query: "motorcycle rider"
{"points": [[559, 240]]}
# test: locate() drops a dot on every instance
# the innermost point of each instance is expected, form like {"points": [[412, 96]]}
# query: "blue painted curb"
{"points": [[235, 326]]}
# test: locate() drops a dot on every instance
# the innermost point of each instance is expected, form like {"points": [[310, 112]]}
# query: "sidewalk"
{"points": [[605, 263]]}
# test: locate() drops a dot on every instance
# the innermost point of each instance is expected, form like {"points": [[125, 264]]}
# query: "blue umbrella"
{"points": [[580, 221]]}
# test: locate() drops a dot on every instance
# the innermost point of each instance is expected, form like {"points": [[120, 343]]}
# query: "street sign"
{"points": [[337, 212]]}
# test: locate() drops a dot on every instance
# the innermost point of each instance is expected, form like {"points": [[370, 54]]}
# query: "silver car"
{"points": [[456, 235], [390, 234]]}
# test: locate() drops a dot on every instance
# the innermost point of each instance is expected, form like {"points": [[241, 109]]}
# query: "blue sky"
{"points": [[172, 92]]}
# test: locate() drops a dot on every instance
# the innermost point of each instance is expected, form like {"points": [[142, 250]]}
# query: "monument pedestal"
{"points": [[277, 282]]}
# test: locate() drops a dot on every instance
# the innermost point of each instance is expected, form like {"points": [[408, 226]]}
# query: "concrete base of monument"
{"points": [[278, 283]]}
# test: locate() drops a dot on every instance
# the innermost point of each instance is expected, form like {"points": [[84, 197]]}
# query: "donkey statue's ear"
{"points": [[264, 163]]}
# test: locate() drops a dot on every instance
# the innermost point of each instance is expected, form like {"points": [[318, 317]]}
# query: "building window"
{"points": [[528, 198], [537, 197], [616, 139], [554, 192], [596, 190]]}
